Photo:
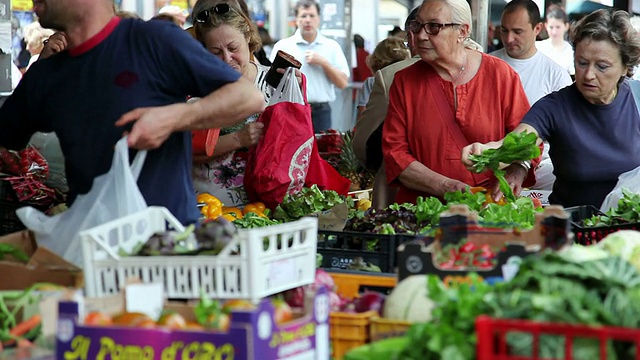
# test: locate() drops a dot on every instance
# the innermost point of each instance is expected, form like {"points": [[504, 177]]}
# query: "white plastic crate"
{"points": [[287, 262]]}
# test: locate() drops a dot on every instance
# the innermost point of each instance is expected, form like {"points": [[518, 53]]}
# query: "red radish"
{"points": [[335, 302], [295, 297], [370, 300]]}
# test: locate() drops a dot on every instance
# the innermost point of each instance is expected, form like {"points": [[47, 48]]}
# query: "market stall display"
{"points": [[252, 334], [254, 264]]}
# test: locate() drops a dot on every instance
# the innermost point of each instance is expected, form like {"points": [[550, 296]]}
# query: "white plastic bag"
{"points": [[630, 181], [288, 89], [112, 196]]}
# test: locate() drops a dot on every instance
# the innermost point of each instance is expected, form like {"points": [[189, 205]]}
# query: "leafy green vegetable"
{"points": [[308, 201], [627, 211], [515, 147], [252, 220], [548, 287], [451, 333]]}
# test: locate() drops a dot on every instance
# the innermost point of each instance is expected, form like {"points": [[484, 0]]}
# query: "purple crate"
{"points": [[253, 335]]}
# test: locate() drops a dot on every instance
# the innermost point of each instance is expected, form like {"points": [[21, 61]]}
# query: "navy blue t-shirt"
{"points": [[591, 145], [80, 94]]}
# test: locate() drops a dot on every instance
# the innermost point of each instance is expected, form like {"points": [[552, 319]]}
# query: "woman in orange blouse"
{"points": [[455, 96]]}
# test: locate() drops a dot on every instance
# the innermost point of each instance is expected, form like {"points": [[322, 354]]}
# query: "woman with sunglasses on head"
{"points": [[455, 95], [229, 34]]}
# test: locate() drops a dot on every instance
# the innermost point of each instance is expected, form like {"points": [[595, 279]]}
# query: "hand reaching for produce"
{"points": [[476, 149], [449, 185], [514, 176]]}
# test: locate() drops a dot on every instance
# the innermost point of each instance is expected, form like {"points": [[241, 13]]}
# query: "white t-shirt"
{"points": [[319, 87], [539, 74], [564, 58]]}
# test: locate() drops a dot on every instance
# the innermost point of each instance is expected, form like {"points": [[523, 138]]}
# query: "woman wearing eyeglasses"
{"points": [[228, 33], [451, 98]]}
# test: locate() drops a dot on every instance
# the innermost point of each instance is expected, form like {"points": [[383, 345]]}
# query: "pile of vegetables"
{"points": [[209, 239], [14, 330], [579, 286], [424, 216], [628, 211], [309, 201], [208, 314]]}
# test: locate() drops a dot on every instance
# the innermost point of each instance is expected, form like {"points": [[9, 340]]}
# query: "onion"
{"points": [[368, 301]]}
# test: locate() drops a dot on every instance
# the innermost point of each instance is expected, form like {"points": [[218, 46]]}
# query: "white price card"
{"points": [[145, 298]]}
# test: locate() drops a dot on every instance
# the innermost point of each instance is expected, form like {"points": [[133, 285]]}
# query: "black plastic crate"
{"points": [[591, 235], [340, 248]]}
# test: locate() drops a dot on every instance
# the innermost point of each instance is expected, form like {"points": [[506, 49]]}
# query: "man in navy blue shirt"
{"points": [[122, 75]]}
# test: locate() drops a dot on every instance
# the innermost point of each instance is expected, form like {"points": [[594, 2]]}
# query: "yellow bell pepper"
{"points": [[211, 211], [208, 199], [232, 211], [363, 204]]}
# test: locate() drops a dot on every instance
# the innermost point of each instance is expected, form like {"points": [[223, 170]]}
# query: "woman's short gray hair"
{"points": [[612, 26], [461, 14]]}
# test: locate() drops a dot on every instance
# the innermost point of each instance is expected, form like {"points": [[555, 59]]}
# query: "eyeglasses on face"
{"points": [[219, 9], [430, 28]]}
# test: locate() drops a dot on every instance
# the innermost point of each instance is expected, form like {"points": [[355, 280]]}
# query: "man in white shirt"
{"points": [[323, 62], [540, 75]]}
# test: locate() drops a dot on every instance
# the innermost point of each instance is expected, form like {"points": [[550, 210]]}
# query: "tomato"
{"points": [[218, 320], [96, 318], [234, 211], [238, 304], [172, 320], [251, 208], [468, 247], [282, 313], [132, 319]]}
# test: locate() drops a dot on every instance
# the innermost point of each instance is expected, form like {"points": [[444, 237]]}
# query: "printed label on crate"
{"points": [[252, 335], [542, 195], [282, 272]]}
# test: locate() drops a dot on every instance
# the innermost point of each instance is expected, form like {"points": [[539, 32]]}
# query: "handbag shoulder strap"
{"points": [[445, 110], [635, 91]]}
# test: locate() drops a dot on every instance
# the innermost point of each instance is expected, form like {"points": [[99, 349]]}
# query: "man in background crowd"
{"points": [[323, 62], [521, 24]]}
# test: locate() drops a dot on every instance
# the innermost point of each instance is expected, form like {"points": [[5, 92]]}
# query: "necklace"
{"points": [[464, 66]]}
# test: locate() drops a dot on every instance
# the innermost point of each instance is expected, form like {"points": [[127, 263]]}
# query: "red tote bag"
{"points": [[286, 158]]}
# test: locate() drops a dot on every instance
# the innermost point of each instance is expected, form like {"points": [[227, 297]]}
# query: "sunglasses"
{"points": [[430, 28], [219, 9]]}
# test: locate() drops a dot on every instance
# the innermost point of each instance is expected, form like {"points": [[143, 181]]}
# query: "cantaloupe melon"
{"points": [[409, 301]]}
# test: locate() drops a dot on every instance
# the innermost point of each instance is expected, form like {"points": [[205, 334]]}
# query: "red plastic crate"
{"points": [[492, 333]]}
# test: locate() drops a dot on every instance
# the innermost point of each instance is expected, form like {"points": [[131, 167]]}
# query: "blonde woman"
{"points": [[387, 52], [34, 36]]}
